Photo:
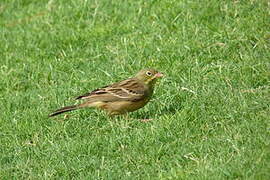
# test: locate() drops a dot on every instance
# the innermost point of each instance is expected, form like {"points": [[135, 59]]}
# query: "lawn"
{"points": [[211, 112]]}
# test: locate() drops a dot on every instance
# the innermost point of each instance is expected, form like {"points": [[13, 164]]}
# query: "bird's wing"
{"points": [[129, 90]]}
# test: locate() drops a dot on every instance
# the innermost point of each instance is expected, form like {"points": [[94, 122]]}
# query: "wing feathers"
{"points": [[130, 89]]}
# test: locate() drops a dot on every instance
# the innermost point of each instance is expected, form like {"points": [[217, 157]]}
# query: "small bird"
{"points": [[121, 97]]}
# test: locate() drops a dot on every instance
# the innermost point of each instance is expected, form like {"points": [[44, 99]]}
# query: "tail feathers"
{"points": [[64, 109]]}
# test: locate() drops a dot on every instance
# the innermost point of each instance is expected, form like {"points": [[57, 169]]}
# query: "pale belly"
{"points": [[121, 107]]}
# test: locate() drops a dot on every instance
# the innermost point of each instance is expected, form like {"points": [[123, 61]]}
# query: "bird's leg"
{"points": [[126, 116]]}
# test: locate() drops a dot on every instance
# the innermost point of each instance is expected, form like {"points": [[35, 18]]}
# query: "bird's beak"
{"points": [[159, 75]]}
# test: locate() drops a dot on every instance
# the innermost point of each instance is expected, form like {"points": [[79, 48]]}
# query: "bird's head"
{"points": [[148, 76]]}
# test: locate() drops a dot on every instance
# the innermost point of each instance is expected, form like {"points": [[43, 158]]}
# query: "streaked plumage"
{"points": [[121, 97]]}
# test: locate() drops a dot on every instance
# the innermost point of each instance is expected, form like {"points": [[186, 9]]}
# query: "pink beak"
{"points": [[159, 75]]}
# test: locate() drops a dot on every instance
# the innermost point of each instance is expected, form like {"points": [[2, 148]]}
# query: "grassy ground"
{"points": [[211, 111]]}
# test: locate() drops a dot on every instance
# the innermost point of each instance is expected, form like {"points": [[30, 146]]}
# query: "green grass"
{"points": [[211, 111]]}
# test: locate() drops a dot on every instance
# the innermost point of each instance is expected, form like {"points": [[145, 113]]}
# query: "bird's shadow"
{"points": [[168, 109]]}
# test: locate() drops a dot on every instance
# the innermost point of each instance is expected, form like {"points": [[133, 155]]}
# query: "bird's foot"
{"points": [[146, 120]]}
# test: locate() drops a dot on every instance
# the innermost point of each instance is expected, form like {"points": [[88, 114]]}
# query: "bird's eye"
{"points": [[148, 73]]}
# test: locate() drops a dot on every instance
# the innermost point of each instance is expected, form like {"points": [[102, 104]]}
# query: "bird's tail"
{"points": [[64, 109]]}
